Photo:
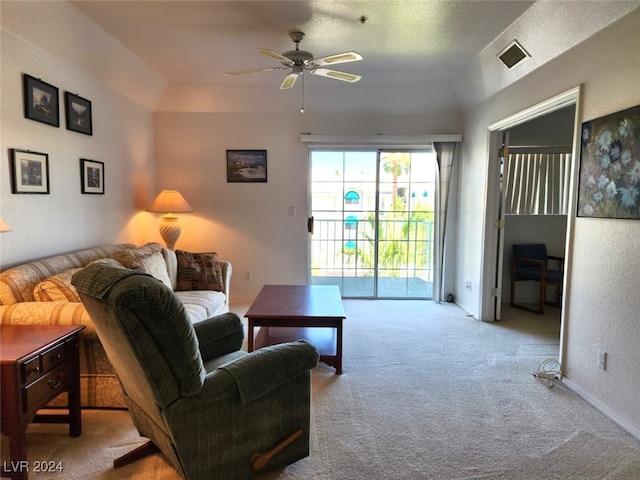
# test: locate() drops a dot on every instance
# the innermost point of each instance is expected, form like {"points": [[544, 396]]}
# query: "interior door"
{"points": [[503, 154]]}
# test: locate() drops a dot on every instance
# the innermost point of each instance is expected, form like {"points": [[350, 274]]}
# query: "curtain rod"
{"points": [[533, 147], [378, 139]]}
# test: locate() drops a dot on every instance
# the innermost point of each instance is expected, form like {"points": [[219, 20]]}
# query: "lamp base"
{"points": [[170, 230]]}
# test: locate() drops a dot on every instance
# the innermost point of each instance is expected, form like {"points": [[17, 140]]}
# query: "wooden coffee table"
{"points": [[290, 312]]}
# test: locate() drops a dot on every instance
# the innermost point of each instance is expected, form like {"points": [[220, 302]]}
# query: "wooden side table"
{"points": [[38, 363]]}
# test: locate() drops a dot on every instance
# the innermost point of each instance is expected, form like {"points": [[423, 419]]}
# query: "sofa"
{"points": [[40, 293]]}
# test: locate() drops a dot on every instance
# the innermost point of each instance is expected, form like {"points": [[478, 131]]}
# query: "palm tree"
{"points": [[397, 164]]}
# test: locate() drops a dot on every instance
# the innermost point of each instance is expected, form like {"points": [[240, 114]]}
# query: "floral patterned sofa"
{"points": [[40, 293]]}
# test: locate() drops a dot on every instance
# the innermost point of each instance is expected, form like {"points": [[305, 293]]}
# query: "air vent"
{"points": [[513, 55]]}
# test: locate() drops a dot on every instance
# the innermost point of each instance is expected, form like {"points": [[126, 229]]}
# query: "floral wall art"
{"points": [[610, 166]]}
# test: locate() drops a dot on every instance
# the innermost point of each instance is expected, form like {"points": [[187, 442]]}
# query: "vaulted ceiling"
{"points": [[416, 49]]}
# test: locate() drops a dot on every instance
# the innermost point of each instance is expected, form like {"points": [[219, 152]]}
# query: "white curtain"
{"points": [[447, 156]]}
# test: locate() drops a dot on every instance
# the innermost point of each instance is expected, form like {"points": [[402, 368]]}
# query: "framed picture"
{"points": [[91, 176], [29, 171], [246, 165], [610, 166], [78, 112], [40, 101]]}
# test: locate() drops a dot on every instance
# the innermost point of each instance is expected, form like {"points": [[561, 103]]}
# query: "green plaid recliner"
{"points": [[211, 408]]}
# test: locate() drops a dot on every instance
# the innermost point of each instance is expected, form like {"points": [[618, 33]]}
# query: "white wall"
{"points": [[249, 223], [122, 138], [601, 300]]}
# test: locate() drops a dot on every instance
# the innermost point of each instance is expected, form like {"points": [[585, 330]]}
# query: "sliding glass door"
{"points": [[373, 215]]}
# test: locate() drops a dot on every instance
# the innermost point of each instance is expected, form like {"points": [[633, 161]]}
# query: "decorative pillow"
{"points": [[199, 271], [57, 288], [146, 259]]}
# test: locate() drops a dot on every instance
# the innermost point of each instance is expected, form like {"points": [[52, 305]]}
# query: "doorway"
{"points": [[494, 248], [536, 167], [373, 222]]}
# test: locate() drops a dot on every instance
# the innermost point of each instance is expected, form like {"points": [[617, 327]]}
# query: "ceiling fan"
{"points": [[297, 61]]}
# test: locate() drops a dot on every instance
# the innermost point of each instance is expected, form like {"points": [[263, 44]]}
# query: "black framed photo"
{"points": [[246, 165], [40, 101], [78, 113], [29, 171], [91, 176]]}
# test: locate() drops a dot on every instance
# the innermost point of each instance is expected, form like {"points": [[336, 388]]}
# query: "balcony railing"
{"points": [[347, 249]]}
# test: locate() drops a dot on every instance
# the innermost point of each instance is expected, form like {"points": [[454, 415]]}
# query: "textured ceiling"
{"points": [[403, 42], [419, 55]]}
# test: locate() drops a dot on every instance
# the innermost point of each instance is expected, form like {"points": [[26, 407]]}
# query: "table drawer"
{"points": [[53, 357], [30, 370], [48, 387]]}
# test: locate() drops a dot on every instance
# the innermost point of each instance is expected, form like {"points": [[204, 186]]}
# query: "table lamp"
{"points": [[169, 202]]}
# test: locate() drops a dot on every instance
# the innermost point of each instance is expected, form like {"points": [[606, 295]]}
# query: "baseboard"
{"points": [[624, 423]]}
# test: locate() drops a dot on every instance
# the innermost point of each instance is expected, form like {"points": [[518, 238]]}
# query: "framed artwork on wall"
{"points": [[91, 176], [78, 113], [609, 185], [29, 172], [40, 101], [246, 165]]}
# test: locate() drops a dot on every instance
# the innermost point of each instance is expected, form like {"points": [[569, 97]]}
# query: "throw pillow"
{"points": [[146, 259], [199, 271], [57, 288]]}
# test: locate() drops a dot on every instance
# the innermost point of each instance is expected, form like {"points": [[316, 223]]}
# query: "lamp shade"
{"points": [[3, 226], [169, 201]]}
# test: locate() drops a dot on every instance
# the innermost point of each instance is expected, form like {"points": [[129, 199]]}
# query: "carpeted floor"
{"points": [[426, 393]]}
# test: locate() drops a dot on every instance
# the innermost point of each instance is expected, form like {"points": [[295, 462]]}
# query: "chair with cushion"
{"points": [[211, 409], [530, 262]]}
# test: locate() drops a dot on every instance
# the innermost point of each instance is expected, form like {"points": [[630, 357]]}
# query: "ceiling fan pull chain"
{"points": [[302, 108]]}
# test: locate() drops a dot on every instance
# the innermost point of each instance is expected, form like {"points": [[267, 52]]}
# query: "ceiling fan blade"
{"points": [[255, 70], [344, 76], [277, 56], [289, 80], [337, 58]]}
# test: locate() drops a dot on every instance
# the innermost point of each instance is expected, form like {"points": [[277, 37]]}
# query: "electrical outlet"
{"points": [[467, 285], [602, 359]]}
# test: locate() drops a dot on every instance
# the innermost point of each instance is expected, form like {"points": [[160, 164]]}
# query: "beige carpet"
{"points": [[427, 393]]}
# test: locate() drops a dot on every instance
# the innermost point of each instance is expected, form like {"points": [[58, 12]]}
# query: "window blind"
{"points": [[537, 183]]}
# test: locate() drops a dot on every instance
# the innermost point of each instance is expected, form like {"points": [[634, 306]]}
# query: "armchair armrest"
{"points": [[257, 373], [560, 261], [219, 335], [227, 269], [532, 261]]}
